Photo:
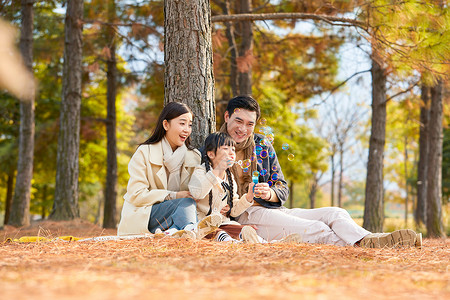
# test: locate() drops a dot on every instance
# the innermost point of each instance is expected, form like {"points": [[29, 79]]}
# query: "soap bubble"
{"points": [[291, 157], [270, 182], [253, 157], [245, 170], [263, 154], [266, 142], [272, 155], [263, 121], [255, 174], [274, 176], [246, 163], [279, 185], [258, 149], [237, 110], [239, 162], [262, 130], [285, 146], [263, 172], [274, 168], [259, 161]]}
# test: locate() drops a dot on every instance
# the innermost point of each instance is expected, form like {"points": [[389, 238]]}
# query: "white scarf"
{"points": [[173, 160]]}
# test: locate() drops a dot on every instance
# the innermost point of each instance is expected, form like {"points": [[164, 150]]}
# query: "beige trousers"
{"points": [[326, 225]]}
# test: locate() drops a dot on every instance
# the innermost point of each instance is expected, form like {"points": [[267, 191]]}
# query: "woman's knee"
{"points": [[187, 202]]}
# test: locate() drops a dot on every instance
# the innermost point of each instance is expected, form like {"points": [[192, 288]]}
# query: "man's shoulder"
{"points": [[258, 137]]}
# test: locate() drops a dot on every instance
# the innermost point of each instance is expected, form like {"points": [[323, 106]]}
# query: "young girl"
{"points": [[157, 197], [213, 183]]}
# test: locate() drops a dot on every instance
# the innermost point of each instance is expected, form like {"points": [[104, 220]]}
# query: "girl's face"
{"points": [[178, 130], [225, 156]]}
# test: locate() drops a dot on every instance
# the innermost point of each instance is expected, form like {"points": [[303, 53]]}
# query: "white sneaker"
{"points": [[402, 238], [294, 238], [249, 235]]}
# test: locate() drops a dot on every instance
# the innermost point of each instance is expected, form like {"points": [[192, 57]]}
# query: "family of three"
{"points": [[180, 191]]}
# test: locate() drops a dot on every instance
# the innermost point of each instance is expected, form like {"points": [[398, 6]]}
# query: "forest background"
{"points": [[291, 67]]}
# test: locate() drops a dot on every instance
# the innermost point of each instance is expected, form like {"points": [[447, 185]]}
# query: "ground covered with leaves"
{"points": [[174, 268]]}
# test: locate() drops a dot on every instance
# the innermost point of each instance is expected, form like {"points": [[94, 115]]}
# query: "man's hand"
{"points": [[262, 190]]}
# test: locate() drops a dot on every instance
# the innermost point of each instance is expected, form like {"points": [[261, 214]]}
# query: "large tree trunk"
{"points": [[9, 195], [188, 62], [246, 49], [374, 205], [65, 205], [420, 213], [109, 213], [434, 192], [291, 195], [20, 209]]}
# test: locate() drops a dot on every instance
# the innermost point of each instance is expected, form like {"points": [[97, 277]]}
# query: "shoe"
{"points": [[158, 234], [402, 237], [187, 234], [208, 225], [294, 238], [249, 235], [419, 240]]}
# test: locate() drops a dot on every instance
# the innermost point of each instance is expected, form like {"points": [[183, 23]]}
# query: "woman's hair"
{"points": [[171, 111], [213, 142]]}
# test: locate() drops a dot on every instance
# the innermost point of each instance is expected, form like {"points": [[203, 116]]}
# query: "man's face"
{"points": [[240, 124]]}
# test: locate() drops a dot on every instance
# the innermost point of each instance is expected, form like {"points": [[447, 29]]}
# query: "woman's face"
{"points": [[178, 130]]}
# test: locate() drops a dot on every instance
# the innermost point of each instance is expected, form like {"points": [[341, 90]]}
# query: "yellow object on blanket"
{"points": [[34, 239]]}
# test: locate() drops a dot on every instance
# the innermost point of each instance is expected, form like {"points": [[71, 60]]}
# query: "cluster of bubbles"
{"points": [[259, 153]]}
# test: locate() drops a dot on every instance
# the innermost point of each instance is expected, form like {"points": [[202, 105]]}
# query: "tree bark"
{"points": [[20, 208], [434, 192], [313, 193], [406, 180], [109, 213], [291, 195], [65, 205], [188, 62], [246, 50], [420, 213], [9, 195], [374, 204]]}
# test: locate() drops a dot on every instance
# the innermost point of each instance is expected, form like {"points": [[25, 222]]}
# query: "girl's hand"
{"points": [[250, 195], [262, 190], [222, 162], [183, 194], [225, 209]]}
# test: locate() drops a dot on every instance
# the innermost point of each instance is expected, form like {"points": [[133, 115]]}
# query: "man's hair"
{"points": [[243, 102]]}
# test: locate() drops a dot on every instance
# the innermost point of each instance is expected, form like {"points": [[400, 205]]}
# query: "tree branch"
{"points": [[280, 16], [402, 92]]}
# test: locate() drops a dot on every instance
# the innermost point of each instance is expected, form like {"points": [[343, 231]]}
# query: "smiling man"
{"points": [[327, 225]]}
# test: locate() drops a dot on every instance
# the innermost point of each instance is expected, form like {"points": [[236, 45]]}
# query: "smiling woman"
{"points": [[157, 195]]}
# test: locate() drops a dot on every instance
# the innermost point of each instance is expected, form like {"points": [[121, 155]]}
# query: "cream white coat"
{"points": [[148, 185]]}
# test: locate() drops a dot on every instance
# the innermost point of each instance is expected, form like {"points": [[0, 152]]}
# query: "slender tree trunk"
{"points": [[313, 193], [188, 62], [234, 83], [109, 213], [374, 204], [434, 192], [246, 48], [20, 209], [420, 213], [291, 195], [9, 195], [44, 200], [333, 172], [341, 174], [65, 205], [406, 180]]}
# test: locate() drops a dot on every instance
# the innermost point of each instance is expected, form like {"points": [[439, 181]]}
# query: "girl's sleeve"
{"points": [[139, 191], [202, 182]]}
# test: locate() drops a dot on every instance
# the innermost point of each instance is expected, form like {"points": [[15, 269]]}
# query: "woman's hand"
{"points": [[225, 209], [183, 194]]}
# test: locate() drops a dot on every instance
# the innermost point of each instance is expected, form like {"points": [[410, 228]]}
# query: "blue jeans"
{"points": [[176, 213]]}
